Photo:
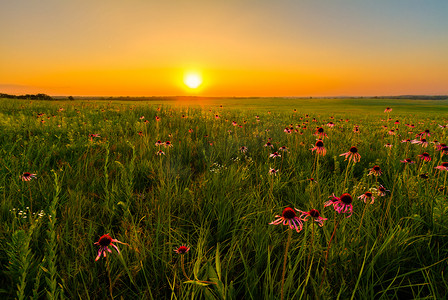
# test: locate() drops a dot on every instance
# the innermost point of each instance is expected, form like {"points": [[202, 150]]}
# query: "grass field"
{"points": [[99, 171]]}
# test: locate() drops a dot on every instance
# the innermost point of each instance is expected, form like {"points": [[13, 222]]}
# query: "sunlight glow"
{"points": [[192, 80]]}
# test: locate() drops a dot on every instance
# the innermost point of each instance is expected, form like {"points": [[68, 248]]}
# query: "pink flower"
{"points": [[407, 161], [425, 156], [344, 204], [26, 176], [421, 142], [320, 132], [104, 242], [352, 154], [290, 219], [319, 147], [274, 155], [443, 166], [367, 196], [160, 152], [331, 201], [387, 110], [272, 171], [182, 249], [243, 149], [381, 191], [314, 213], [159, 143], [376, 171]]}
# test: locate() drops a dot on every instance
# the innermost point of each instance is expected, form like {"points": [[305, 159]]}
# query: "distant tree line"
{"points": [[27, 96]]}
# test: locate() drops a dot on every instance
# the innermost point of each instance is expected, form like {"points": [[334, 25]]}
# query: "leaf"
{"points": [[196, 282]]}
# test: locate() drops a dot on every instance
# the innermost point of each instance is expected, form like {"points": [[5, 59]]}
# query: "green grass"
{"points": [[208, 195]]}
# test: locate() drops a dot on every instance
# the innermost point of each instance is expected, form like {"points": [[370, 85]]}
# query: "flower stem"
{"points": [[328, 251], [108, 275], [284, 262]]}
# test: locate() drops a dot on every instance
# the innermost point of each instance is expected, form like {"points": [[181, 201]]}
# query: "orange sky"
{"points": [[241, 48]]}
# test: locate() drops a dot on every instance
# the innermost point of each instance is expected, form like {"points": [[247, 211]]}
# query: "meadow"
{"points": [[187, 191]]}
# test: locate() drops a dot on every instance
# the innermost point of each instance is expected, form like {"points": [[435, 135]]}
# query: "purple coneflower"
{"points": [[391, 132], [104, 242], [426, 133], [425, 156], [406, 141], [319, 147], [388, 145], [352, 154], [331, 200], [268, 144], [407, 161], [168, 144], [443, 166], [381, 191], [272, 171], [376, 171], [283, 148], [320, 132], [290, 219], [160, 152], [243, 149], [314, 213], [344, 204], [159, 143], [330, 124], [422, 142], [367, 196], [182, 249], [275, 154], [387, 110], [26, 176]]}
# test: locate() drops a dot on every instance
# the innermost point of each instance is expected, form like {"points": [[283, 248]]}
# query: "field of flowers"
{"points": [[136, 200]]}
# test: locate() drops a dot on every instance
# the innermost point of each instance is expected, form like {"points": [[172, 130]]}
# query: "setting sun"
{"points": [[192, 80]]}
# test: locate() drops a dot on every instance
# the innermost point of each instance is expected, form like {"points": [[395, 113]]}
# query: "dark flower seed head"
{"points": [[353, 149], [320, 129], [346, 198], [319, 143], [314, 213], [289, 213], [105, 240], [376, 168]]}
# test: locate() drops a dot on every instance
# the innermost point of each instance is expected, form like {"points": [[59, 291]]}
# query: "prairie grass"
{"points": [[98, 172]]}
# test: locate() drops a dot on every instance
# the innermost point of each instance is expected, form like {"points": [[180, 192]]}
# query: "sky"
{"points": [[239, 47]]}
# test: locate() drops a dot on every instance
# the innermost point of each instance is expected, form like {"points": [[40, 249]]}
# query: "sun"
{"points": [[192, 80]]}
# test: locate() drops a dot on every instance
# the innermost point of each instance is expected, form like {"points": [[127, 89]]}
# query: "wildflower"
{"points": [[425, 156], [140, 133], [443, 126], [381, 191], [426, 133], [406, 141], [391, 132], [234, 123], [160, 152], [397, 122], [268, 144], [168, 144], [190, 130], [388, 145], [320, 132], [272, 171], [157, 118], [376, 171], [319, 147], [443, 166], [344, 204], [314, 213], [159, 143], [331, 201], [290, 219], [182, 249], [367, 196], [93, 135], [274, 155], [421, 142], [104, 242], [352, 154], [387, 110], [407, 161], [330, 124], [283, 148], [142, 117], [26, 176], [243, 149], [356, 129]]}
